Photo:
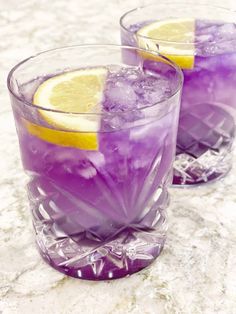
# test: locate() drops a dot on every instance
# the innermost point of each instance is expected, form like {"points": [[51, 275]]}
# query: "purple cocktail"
{"points": [[98, 191], [208, 59]]}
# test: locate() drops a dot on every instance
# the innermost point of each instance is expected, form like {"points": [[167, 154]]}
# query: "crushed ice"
{"points": [[131, 88]]}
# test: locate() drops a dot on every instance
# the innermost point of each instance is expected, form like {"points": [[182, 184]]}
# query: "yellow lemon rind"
{"points": [[81, 140], [180, 53]]}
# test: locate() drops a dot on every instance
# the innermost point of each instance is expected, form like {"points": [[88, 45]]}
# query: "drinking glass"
{"points": [[99, 211], [208, 107]]}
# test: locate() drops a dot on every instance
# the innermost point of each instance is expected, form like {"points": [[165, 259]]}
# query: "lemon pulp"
{"points": [[173, 38], [76, 96]]}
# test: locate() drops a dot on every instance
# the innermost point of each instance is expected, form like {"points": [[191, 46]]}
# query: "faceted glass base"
{"points": [[204, 144], [80, 257], [196, 173], [94, 247]]}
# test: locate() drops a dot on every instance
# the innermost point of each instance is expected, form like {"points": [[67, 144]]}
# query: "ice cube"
{"points": [[114, 68], [132, 76], [204, 38], [133, 88], [155, 96], [143, 84], [210, 30], [140, 163], [209, 64], [115, 122], [210, 49], [226, 30], [96, 158], [87, 173], [215, 38], [62, 155], [85, 169], [121, 94], [152, 90]]}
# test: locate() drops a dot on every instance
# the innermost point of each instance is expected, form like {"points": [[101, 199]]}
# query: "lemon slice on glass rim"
{"points": [[73, 102], [173, 38]]}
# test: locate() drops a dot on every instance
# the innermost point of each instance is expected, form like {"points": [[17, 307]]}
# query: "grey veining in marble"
{"points": [[196, 273]]}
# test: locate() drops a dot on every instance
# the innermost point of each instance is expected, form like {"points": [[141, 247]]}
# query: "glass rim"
{"points": [[31, 105], [186, 44]]}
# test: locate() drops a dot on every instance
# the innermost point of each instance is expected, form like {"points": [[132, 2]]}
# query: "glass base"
{"points": [[179, 181], [76, 239], [82, 258], [204, 145]]}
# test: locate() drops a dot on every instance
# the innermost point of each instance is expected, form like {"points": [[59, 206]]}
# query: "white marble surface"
{"points": [[196, 272]]}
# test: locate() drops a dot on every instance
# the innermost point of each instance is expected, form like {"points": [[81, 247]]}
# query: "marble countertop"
{"points": [[195, 274]]}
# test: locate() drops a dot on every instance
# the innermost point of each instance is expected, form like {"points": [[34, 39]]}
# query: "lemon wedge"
{"points": [[85, 141], [76, 96], [172, 38]]}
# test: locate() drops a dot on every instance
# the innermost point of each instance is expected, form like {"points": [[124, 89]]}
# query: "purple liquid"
{"points": [[208, 106], [99, 214]]}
